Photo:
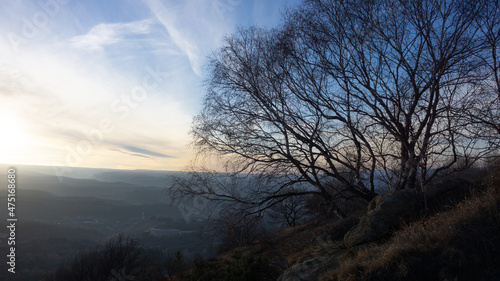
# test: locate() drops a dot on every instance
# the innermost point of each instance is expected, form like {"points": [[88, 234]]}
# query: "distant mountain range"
{"points": [[131, 186]]}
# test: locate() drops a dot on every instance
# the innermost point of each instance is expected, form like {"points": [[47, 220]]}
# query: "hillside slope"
{"points": [[460, 243]]}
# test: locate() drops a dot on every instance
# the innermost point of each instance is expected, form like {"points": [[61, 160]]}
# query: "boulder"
{"points": [[338, 231], [313, 267], [384, 215]]}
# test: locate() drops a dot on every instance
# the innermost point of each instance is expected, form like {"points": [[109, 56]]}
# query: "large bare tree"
{"points": [[351, 94], [406, 70]]}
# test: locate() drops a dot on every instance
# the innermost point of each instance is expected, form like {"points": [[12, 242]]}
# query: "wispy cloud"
{"points": [[137, 151], [12, 83], [105, 34], [167, 18]]}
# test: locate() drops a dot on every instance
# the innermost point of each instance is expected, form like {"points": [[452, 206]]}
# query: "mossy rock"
{"points": [[385, 214]]}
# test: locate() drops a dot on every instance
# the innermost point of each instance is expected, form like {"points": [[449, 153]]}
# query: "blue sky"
{"points": [[110, 84]]}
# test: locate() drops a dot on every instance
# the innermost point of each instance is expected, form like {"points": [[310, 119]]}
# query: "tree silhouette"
{"points": [[354, 93], [119, 259]]}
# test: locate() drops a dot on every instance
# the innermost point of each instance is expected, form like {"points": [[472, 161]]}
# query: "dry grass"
{"points": [[288, 246], [463, 241], [458, 242], [296, 244], [291, 245]]}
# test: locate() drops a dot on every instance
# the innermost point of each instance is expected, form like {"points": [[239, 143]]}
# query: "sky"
{"points": [[110, 84]]}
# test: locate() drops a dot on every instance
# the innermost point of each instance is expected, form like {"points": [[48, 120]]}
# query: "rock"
{"points": [[309, 269], [385, 213], [338, 231], [312, 268]]}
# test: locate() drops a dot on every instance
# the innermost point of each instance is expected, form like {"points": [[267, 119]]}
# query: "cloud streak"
{"points": [[105, 34], [167, 18], [137, 151]]}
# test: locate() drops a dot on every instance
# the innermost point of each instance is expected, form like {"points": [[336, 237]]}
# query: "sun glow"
{"points": [[13, 138]]}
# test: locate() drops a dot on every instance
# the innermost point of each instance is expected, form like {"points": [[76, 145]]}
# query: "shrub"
{"points": [[237, 268], [119, 259], [237, 227]]}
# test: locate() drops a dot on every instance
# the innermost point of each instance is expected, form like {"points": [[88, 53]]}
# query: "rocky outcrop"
{"points": [[326, 256], [386, 212], [312, 268], [338, 231], [384, 215]]}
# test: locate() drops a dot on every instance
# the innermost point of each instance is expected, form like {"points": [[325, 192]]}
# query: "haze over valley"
{"points": [[59, 217]]}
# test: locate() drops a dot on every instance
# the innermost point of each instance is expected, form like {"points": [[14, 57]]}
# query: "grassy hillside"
{"points": [[462, 242]]}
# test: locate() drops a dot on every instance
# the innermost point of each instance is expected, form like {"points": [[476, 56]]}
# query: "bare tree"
{"points": [[120, 258], [354, 92], [253, 115], [236, 228], [290, 212], [403, 68]]}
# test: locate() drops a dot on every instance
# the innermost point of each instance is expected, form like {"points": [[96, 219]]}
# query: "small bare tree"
{"points": [[291, 211], [120, 258], [236, 227]]}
